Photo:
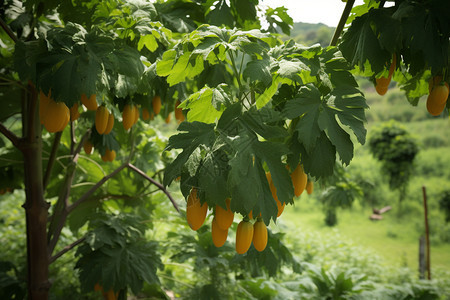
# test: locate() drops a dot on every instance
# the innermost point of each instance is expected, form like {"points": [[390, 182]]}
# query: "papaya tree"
{"points": [[75, 76], [260, 115]]}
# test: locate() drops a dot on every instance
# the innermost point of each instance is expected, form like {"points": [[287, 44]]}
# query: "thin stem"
{"points": [[341, 24], [159, 185], [86, 195], [8, 31], [238, 75], [242, 63], [66, 249], [10, 136], [51, 159], [73, 141]]}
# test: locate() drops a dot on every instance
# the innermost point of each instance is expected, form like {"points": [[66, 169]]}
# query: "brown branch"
{"points": [[77, 150], [341, 24], [159, 185], [10, 136], [52, 157], [8, 31], [63, 200], [66, 249], [86, 195]]}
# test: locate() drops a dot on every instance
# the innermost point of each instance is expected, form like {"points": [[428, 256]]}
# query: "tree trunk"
{"points": [[36, 209]]}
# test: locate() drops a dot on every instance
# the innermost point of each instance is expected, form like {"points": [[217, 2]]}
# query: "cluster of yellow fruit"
{"points": [[56, 115], [438, 91], [156, 105], [383, 82], [246, 232]]}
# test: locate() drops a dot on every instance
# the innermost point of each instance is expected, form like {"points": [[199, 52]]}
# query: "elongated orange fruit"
{"points": [[382, 83], [101, 119], [56, 117], [156, 104], [195, 212], [219, 235], [74, 112], [224, 218], [259, 235], [437, 99], [244, 236], [91, 102], [128, 116], [136, 114], [109, 155], [309, 187], [169, 118], [273, 189], [178, 112], [299, 179], [110, 124], [435, 80], [145, 114], [87, 146]]}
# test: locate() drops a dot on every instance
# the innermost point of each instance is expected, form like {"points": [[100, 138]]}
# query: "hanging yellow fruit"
{"points": [[110, 124], [74, 113], [56, 117], [91, 102], [244, 236], [156, 104], [87, 146], [224, 217], [195, 212], [145, 114], [219, 235], [128, 116], [101, 119], [259, 235]]}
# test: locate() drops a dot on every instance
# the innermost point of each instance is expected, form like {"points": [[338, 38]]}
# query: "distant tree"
{"points": [[396, 149]]}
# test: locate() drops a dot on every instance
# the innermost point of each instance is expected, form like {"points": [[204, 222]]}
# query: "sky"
{"points": [[312, 11]]}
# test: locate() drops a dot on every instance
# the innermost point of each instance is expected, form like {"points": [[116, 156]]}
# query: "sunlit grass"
{"points": [[394, 239]]}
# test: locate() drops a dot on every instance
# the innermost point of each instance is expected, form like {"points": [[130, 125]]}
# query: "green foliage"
{"points": [[341, 191], [270, 261], [283, 104], [333, 284], [223, 273], [116, 255], [10, 285], [375, 35]]}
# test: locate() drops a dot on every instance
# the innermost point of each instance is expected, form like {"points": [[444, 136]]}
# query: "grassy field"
{"points": [[395, 240]]}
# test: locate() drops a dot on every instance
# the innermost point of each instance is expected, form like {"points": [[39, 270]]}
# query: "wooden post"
{"points": [[422, 260], [427, 232]]}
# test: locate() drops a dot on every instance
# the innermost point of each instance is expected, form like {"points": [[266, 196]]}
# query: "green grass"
{"points": [[395, 240]]}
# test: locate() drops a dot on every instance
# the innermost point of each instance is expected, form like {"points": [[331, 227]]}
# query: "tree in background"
{"points": [[396, 149]]}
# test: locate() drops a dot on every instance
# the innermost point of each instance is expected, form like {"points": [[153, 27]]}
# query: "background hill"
{"points": [[309, 34]]}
